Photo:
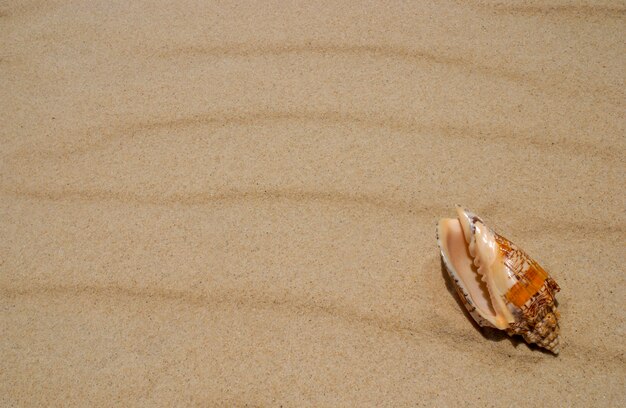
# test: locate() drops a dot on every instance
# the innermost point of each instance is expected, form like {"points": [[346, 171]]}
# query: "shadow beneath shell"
{"points": [[488, 333]]}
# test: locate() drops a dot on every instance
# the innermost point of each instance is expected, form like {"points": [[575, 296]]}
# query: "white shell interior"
{"points": [[455, 250]]}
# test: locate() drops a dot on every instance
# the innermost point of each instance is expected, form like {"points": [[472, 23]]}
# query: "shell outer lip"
{"points": [[460, 288]]}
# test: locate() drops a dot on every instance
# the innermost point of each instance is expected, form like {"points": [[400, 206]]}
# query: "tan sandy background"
{"points": [[211, 203]]}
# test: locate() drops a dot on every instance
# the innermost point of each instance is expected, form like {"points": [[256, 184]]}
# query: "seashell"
{"points": [[499, 284]]}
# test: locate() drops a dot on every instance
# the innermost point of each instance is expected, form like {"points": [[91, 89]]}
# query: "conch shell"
{"points": [[499, 284]]}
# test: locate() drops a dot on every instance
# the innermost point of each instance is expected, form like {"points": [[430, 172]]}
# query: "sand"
{"points": [[212, 204]]}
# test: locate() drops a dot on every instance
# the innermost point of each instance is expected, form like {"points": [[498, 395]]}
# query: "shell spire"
{"points": [[500, 285]]}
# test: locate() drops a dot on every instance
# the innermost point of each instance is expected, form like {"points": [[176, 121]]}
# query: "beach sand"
{"points": [[212, 204]]}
